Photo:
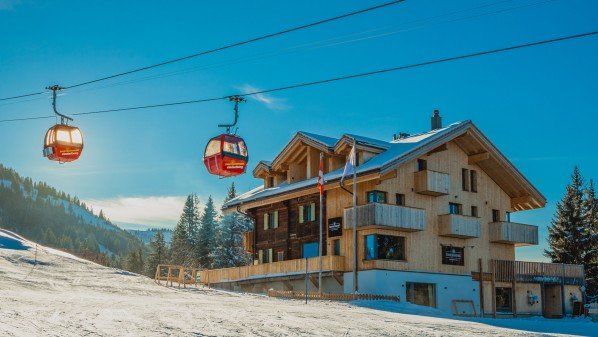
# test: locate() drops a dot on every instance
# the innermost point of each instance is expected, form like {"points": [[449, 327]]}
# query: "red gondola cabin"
{"points": [[63, 143], [226, 155]]}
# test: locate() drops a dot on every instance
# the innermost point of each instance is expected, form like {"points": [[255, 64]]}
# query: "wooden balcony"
{"points": [[432, 183], [375, 214], [537, 272], [459, 226], [513, 233], [274, 269]]}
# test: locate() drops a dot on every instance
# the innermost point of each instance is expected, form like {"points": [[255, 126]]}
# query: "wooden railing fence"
{"points": [[179, 274], [330, 297]]}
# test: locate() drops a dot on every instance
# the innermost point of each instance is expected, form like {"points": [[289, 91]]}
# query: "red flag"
{"points": [[321, 174]]}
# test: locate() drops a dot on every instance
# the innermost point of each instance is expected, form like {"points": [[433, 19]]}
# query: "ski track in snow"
{"points": [[63, 295]]}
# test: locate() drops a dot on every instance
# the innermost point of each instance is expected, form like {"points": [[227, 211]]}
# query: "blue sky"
{"points": [[538, 105]]}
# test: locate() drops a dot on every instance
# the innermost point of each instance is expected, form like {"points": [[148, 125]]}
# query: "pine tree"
{"points": [[229, 251], [590, 214], [207, 235], [158, 254], [190, 217], [566, 233], [180, 250], [232, 192], [135, 261]]}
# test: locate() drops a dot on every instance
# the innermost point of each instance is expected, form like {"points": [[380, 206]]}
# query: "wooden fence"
{"points": [[179, 274], [300, 295], [329, 263]]}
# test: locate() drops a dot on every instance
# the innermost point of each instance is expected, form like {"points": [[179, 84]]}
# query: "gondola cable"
{"points": [[335, 79], [218, 49]]}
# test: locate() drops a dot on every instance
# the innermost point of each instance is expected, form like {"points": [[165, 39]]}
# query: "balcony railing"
{"points": [[537, 272], [375, 214], [274, 269], [514, 233], [432, 183], [459, 226]]}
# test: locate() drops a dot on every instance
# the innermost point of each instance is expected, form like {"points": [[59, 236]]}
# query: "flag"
{"points": [[321, 174], [350, 165]]}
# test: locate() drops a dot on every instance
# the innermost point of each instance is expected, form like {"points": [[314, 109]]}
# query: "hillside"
{"points": [[56, 219], [148, 234], [46, 292]]}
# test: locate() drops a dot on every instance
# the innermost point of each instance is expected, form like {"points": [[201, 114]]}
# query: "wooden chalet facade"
{"points": [[433, 215]]}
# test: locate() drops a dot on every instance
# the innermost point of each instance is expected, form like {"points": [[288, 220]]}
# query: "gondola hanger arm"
{"points": [[55, 88]]}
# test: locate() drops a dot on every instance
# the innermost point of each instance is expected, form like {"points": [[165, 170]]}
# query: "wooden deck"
{"points": [[375, 214], [274, 269]]}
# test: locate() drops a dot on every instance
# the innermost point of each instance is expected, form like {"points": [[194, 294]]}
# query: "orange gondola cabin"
{"points": [[226, 155], [63, 143]]}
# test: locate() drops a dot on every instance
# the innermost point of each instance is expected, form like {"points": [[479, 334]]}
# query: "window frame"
{"points": [[495, 215], [336, 247], [474, 211], [400, 199], [473, 184], [465, 178], [458, 207], [401, 241], [307, 213], [378, 193], [422, 165]]}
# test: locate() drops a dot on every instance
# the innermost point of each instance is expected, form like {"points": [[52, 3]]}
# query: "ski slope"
{"points": [[62, 295]]}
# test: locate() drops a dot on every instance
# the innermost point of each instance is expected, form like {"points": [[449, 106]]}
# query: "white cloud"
{"points": [[156, 211], [269, 101]]}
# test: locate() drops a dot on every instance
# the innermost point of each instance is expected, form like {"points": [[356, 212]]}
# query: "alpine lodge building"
{"points": [[433, 225]]}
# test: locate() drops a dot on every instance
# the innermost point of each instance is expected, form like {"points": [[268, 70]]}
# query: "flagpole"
{"points": [[321, 219], [355, 221]]}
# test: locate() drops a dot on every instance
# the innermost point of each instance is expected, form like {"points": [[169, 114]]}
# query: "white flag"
{"points": [[350, 165]]}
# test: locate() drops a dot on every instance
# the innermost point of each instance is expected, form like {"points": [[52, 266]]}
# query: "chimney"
{"points": [[436, 120]]}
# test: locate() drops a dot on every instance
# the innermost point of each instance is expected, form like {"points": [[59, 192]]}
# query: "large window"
{"points": [[421, 293], [310, 249], [307, 213], [384, 247], [455, 208], [376, 196], [504, 299]]}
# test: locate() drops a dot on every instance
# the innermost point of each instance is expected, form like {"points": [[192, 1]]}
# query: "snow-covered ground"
{"points": [[63, 295]]}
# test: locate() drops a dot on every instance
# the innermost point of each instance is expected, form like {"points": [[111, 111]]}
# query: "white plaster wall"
{"points": [[385, 282]]}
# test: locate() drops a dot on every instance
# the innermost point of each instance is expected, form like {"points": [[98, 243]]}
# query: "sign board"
{"points": [[335, 227], [453, 255]]}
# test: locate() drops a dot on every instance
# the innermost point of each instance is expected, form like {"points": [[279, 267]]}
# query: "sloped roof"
{"points": [[400, 151]]}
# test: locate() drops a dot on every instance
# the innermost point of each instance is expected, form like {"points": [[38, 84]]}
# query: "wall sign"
{"points": [[335, 227], [453, 255]]}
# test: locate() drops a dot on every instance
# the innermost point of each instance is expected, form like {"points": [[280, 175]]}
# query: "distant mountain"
{"points": [[53, 218], [147, 235]]}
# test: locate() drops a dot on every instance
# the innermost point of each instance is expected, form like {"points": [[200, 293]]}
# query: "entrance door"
{"points": [[504, 300], [552, 301]]}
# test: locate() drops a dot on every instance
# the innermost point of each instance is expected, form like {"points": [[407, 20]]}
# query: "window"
{"points": [[307, 212], [280, 256], [474, 211], [495, 215], [271, 220], [422, 165], [400, 199], [76, 136], [421, 293], [63, 136], [336, 247], [265, 256], [474, 181], [508, 216], [270, 181], [376, 196], [455, 208], [213, 147], [465, 179], [504, 299], [385, 247], [310, 249]]}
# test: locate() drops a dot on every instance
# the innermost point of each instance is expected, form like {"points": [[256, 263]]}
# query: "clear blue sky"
{"points": [[538, 105]]}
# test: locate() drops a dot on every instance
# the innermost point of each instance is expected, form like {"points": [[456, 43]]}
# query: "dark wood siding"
{"points": [[290, 235]]}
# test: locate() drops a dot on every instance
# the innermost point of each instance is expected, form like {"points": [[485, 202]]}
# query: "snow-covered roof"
{"points": [[324, 140], [395, 150]]}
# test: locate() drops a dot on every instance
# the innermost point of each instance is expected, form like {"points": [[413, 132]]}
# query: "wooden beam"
{"points": [[525, 200], [441, 148], [338, 277], [474, 158]]}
